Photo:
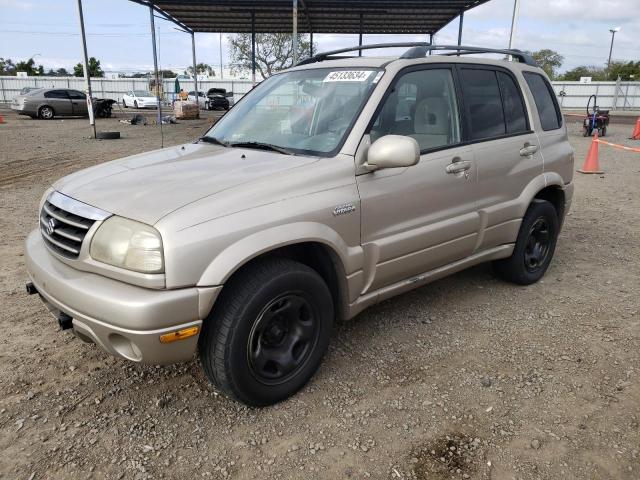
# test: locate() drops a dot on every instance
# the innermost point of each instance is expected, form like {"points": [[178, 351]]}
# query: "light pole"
{"points": [[514, 23], [613, 36]]}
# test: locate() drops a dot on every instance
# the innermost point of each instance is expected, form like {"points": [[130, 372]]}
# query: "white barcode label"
{"points": [[348, 76]]}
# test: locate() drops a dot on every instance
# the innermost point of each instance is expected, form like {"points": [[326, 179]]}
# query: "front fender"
{"points": [[239, 253]]}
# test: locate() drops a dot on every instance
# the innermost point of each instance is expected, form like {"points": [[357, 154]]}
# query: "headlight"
{"points": [[128, 244]]}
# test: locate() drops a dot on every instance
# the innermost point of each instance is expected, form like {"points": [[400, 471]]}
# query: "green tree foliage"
{"points": [[7, 67], [596, 73], [626, 71], [94, 69], [29, 66], [549, 60], [202, 69], [274, 52]]}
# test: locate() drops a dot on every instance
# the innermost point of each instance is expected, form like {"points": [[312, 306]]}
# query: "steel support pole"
{"points": [[295, 32], [195, 70], [253, 47], [613, 37], [514, 23], [430, 42], [85, 67], [310, 44], [460, 23], [360, 37], [221, 65], [155, 68]]}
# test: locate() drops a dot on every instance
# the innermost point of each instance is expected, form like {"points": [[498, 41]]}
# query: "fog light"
{"points": [[179, 335]]}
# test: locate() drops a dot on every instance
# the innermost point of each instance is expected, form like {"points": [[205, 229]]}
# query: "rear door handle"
{"points": [[528, 150], [458, 166]]}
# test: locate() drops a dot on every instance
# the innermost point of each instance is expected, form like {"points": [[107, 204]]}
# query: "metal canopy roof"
{"points": [[317, 16]]}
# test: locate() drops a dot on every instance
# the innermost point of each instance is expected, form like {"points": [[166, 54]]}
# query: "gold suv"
{"points": [[330, 187]]}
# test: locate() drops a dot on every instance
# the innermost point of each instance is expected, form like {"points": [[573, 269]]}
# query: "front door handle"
{"points": [[458, 166], [528, 150]]}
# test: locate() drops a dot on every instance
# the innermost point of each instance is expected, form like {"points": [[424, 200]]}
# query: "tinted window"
{"points": [[483, 103], [76, 95], [56, 94], [514, 111], [548, 110], [421, 105]]}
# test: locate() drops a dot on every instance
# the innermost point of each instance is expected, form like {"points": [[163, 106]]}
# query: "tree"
{"points": [[202, 69], [596, 73], [167, 73], [626, 71], [60, 72], [549, 60], [7, 67], [29, 66], [94, 69], [274, 52]]}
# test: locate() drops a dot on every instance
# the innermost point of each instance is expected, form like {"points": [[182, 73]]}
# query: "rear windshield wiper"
{"points": [[261, 146], [213, 140]]}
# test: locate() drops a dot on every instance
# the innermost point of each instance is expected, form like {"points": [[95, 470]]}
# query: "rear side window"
{"points": [[514, 111], [483, 103], [56, 94], [76, 95], [548, 110]]}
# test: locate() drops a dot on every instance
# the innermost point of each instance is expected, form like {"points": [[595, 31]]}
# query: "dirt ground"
{"points": [[468, 377]]}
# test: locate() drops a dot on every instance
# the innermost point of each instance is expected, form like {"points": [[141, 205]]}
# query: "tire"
{"points": [[124, 104], [603, 132], [135, 103], [534, 246], [108, 135], [586, 132], [274, 309], [46, 113]]}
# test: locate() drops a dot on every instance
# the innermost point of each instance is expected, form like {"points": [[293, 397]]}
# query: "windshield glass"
{"points": [[305, 111], [142, 93]]}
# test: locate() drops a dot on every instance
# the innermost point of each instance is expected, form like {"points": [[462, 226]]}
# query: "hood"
{"points": [[148, 186]]}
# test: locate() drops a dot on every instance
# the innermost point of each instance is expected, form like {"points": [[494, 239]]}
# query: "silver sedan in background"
{"points": [[47, 103]]}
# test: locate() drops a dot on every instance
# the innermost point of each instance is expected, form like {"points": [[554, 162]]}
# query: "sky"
{"points": [[119, 36]]}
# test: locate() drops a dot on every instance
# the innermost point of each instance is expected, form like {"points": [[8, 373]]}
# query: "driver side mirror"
{"points": [[392, 151]]}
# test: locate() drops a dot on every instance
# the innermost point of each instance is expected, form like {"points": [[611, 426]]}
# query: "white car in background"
{"points": [[201, 95], [139, 99]]}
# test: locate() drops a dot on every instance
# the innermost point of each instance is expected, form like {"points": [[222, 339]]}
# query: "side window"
{"points": [[56, 94], [514, 112], [421, 105], [546, 103], [76, 95], [483, 103]]}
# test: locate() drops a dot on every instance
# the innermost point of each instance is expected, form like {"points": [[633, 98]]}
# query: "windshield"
{"points": [[305, 111], [142, 93]]}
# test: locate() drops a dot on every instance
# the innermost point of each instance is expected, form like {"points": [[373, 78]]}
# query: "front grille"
{"points": [[63, 231]]}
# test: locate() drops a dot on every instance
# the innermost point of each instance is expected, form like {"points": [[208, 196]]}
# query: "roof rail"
{"points": [[421, 49]]}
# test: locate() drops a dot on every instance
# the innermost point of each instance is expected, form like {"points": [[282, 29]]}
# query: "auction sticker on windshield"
{"points": [[348, 76]]}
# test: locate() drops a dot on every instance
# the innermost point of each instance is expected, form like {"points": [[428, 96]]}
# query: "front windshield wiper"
{"points": [[261, 146], [213, 140]]}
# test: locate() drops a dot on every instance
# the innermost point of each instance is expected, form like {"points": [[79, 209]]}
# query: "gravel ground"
{"points": [[468, 377]]}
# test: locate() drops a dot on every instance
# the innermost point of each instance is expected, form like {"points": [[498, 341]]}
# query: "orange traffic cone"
{"points": [[591, 164], [636, 131]]}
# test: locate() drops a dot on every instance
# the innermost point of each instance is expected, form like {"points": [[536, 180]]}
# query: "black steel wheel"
{"points": [[538, 243], [268, 331], [282, 338], [534, 247]]}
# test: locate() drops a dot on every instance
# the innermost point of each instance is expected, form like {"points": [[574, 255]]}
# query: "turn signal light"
{"points": [[179, 335]]}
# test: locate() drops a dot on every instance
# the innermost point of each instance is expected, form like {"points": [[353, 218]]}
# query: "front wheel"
{"points": [[268, 331], [534, 246]]}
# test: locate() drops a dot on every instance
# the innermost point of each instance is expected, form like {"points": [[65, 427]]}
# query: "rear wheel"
{"points": [[586, 132], [603, 132], [534, 246], [268, 332], [46, 113], [135, 103]]}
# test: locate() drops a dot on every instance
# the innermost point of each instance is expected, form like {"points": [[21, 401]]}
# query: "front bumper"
{"points": [[125, 320]]}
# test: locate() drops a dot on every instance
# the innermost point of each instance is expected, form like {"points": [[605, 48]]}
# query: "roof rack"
{"points": [[421, 49]]}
